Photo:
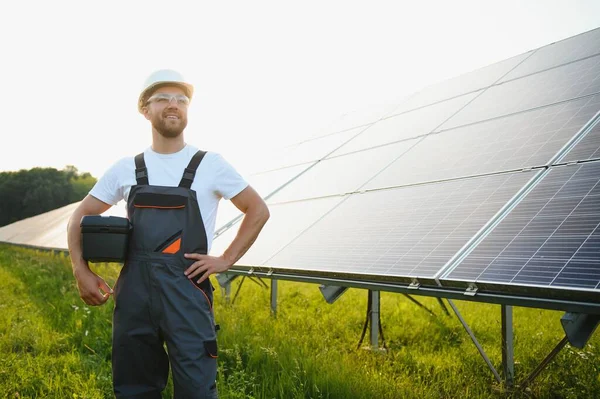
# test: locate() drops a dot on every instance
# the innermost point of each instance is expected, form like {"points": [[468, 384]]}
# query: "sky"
{"points": [[266, 73]]}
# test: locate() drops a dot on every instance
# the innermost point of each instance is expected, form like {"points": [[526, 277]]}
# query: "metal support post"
{"points": [[227, 292], [508, 349], [374, 333], [544, 363], [475, 341], [419, 304], [578, 327], [444, 308], [274, 297]]}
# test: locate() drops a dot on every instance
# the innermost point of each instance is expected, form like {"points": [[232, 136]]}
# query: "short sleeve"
{"points": [[228, 182], [108, 188]]}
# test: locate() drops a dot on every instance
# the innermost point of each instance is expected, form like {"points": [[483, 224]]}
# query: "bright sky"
{"points": [[266, 73]]}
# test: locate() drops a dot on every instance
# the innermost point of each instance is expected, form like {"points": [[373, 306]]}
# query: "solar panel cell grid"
{"points": [[564, 51], [587, 148], [357, 118], [343, 174], [567, 82], [550, 239], [286, 222], [267, 182], [527, 139], [405, 126], [297, 153], [403, 232], [466, 83]]}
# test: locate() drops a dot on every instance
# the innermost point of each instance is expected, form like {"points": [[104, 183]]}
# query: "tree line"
{"points": [[27, 193]]}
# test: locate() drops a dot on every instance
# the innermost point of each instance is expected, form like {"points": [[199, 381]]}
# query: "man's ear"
{"points": [[146, 112]]}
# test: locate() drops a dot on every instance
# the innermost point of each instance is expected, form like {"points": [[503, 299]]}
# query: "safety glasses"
{"points": [[166, 98]]}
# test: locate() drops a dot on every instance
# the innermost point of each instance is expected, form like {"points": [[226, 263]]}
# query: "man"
{"points": [[163, 294]]}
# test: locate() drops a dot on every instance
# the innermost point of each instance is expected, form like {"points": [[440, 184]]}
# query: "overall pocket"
{"points": [[158, 222], [205, 288]]}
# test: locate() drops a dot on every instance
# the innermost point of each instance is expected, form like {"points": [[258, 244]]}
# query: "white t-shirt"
{"points": [[215, 179]]}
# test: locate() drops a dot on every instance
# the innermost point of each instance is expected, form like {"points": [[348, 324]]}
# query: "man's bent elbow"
{"points": [[265, 213]]}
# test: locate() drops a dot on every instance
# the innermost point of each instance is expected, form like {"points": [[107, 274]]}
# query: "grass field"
{"points": [[54, 346]]}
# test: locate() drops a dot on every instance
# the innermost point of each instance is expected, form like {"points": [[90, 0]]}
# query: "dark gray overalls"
{"points": [[155, 303]]}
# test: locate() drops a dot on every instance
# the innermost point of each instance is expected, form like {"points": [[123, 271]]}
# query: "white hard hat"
{"points": [[163, 77]]}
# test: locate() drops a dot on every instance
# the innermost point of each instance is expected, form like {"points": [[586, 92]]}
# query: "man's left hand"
{"points": [[205, 265]]}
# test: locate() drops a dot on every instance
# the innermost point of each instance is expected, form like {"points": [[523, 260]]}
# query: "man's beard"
{"points": [[168, 129]]}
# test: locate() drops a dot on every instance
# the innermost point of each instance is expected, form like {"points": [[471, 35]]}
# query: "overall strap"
{"points": [[141, 173], [190, 171]]}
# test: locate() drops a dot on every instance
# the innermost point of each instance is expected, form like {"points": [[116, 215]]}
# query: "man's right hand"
{"points": [[89, 285]]}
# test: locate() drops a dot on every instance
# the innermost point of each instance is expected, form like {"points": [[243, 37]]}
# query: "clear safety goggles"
{"points": [[166, 98]]}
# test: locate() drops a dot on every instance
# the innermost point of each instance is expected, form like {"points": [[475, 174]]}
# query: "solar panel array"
{"points": [[489, 178]]}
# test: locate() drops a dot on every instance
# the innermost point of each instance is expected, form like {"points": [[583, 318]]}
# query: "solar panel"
{"points": [[550, 239], [358, 118], [463, 84], [226, 213], [284, 166], [287, 222], [343, 174], [401, 232], [405, 126], [521, 140], [304, 152], [563, 83], [265, 183], [48, 229], [572, 49], [587, 148]]}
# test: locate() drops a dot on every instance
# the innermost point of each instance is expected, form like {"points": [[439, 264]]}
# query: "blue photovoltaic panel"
{"points": [[572, 49], [463, 84], [550, 239], [522, 140], [403, 232], [567, 82], [405, 126], [587, 148]]}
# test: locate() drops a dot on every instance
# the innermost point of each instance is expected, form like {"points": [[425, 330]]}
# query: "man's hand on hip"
{"points": [[206, 265]]}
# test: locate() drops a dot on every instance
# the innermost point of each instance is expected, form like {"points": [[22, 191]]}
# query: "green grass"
{"points": [[54, 346]]}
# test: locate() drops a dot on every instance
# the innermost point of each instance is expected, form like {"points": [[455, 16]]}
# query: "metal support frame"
{"points": [[578, 324], [374, 320], [543, 364], [375, 308], [444, 308], [419, 304], [227, 292], [475, 342], [331, 293], [274, 297], [257, 281], [578, 328], [574, 305], [508, 349]]}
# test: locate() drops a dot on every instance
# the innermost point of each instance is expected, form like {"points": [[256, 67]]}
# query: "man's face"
{"points": [[167, 115]]}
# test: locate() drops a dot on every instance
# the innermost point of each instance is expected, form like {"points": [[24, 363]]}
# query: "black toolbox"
{"points": [[105, 238]]}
